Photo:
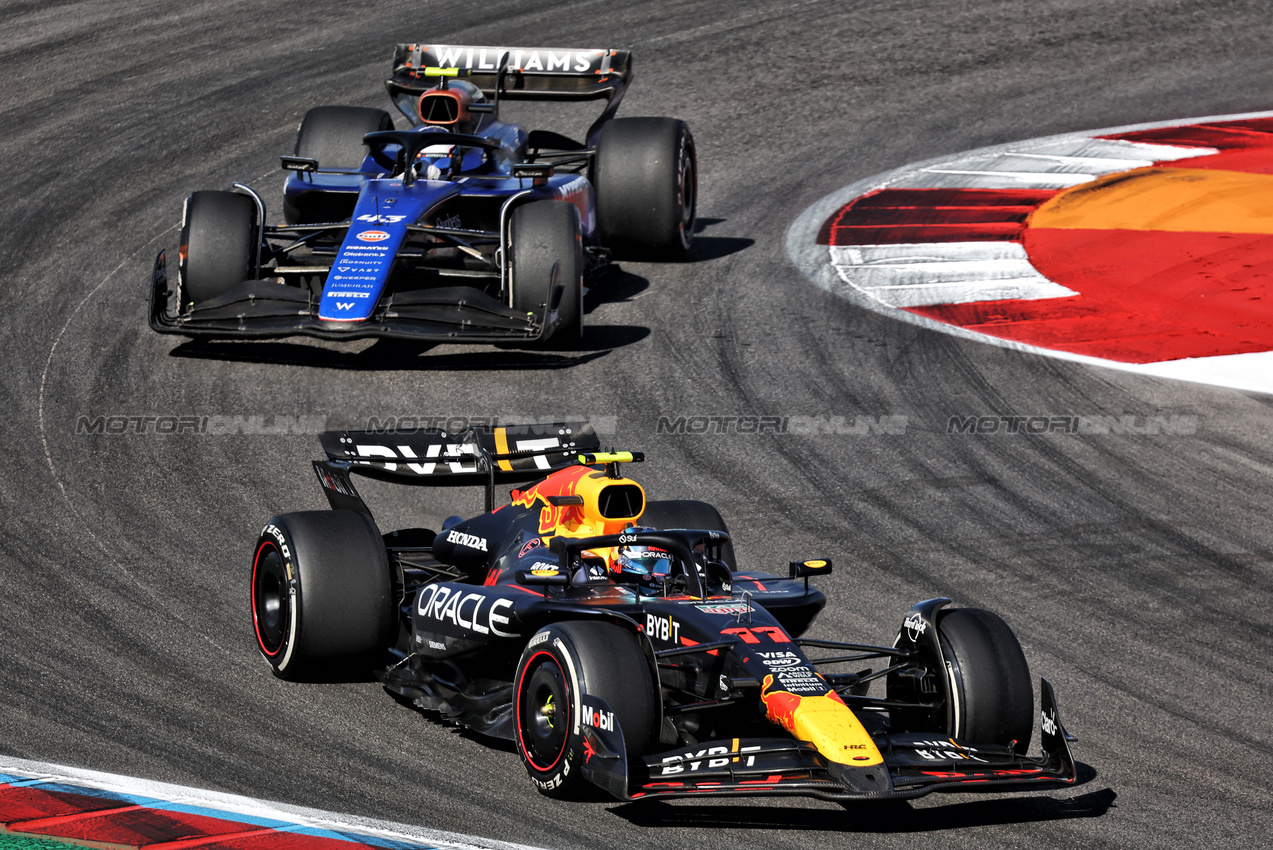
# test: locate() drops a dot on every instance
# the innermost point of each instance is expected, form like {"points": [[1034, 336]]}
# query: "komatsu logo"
{"points": [[471, 541]]}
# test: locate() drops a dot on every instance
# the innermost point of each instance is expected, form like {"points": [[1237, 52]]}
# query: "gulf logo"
{"points": [[372, 236], [1147, 248]]}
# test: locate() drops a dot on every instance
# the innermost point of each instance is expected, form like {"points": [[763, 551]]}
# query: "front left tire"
{"points": [[560, 663], [546, 252], [985, 682], [218, 245]]}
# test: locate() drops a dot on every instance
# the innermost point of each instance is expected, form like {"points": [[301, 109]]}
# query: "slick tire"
{"points": [[988, 679], [561, 662], [646, 177], [218, 245], [546, 252], [321, 598], [687, 513], [333, 136]]}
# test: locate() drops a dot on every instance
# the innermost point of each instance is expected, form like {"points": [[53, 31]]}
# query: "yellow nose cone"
{"points": [[824, 721]]}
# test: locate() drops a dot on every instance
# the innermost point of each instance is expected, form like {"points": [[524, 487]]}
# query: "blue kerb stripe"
{"points": [[373, 840], [46, 784], [203, 811]]}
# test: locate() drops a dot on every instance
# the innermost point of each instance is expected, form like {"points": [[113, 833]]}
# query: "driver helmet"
{"points": [[641, 564], [448, 106]]}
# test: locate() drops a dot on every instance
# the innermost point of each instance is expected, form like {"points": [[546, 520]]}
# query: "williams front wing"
{"points": [[258, 309]]}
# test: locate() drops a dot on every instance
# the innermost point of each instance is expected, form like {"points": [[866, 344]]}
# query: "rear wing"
{"points": [[479, 455], [530, 73]]}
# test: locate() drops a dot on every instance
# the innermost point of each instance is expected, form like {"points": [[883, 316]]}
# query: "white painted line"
{"points": [[932, 252], [1051, 165], [943, 273], [1239, 371], [1114, 149], [953, 177]]}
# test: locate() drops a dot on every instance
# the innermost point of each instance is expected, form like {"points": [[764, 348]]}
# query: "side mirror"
{"points": [[541, 576], [719, 578], [815, 567], [538, 172], [299, 163]]}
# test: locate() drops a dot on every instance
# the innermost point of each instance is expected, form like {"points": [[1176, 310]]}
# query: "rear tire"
{"points": [[333, 136], [989, 695], [646, 176], [688, 513], [576, 657], [218, 245], [544, 235], [321, 599]]}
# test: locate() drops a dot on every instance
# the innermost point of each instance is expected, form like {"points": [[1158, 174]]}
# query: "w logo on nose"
{"points": [[344, 305]]}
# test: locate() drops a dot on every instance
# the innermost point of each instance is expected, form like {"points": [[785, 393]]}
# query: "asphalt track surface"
{"points": [[1137, 569]]}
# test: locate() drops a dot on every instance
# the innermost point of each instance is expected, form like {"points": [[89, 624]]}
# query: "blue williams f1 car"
{"points": [[617, 644], [462, 228]]}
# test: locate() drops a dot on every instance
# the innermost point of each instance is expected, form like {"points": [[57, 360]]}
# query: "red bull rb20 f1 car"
{"points": [[617, 643], [462, 228]]}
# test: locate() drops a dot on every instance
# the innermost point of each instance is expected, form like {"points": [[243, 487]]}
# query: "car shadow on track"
{"points": [[615, 286], [714, 247], [889, 816], [705, 248]]}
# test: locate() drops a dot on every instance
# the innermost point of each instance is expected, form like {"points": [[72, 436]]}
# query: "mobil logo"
{"points": [[598, 718]]}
